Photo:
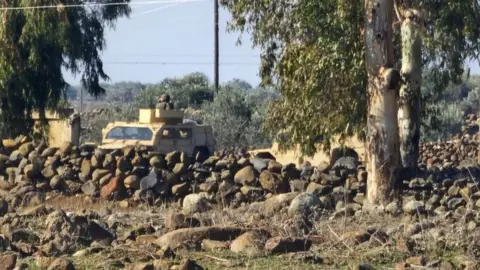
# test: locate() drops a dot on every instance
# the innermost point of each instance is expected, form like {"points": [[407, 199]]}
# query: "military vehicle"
{"points": [[161, 131]]}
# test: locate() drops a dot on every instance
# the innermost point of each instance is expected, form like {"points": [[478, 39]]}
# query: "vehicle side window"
{"points": [[185, 133], [130, 133], [168, 133]]}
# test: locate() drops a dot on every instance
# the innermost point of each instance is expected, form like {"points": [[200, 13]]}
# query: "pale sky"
{"points": [[180, 36]]}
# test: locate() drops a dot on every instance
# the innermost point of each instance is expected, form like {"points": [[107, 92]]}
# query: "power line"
{"points": [[179, 54], [162, 8], [176, 63], [157, 9], [87, 4]]}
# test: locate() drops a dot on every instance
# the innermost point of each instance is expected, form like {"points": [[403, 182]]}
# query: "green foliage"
{"points": [[445, 110], [122, 92], [36, 44], [190, 90], [314, 50], [237, 116]]}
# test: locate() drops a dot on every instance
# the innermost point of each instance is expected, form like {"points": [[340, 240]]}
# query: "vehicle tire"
{"points": [[201, 154]]}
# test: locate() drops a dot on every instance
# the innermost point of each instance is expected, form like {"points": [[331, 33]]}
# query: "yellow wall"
{"points": [[292, 156], [61, 130]]}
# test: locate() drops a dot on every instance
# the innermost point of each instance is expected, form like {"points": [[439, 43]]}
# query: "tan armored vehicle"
{"points": [[161, 131]]}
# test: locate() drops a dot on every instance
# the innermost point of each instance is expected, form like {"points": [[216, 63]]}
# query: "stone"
{"points": [[274, 204], [181, 190], [195, 203], [115, 186], [245, 176], [98, 174], [417, 260], [250, 243], [318, 189], [146, 239], [188, 264], [56, 182], [8, 261], [208, 244], [279, 245], [48, 172], [413, 207], [182, 237], [106, 179], [3, 207], [174, 221], [304, 204], [298, 185], [86, 169], [132, 181], [22, 235], [149, 181], [90, 188], [365, 266], [273, 182], [163, 264], [274, 166], [61, 264], [140, 266], [124, 165], [157, 162]]}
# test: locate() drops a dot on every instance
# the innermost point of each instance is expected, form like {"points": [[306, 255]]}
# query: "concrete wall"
{"points": [[62, 127], [293, 155]]}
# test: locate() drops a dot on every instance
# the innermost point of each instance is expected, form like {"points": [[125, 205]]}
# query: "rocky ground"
{"points": [[83, 208]]}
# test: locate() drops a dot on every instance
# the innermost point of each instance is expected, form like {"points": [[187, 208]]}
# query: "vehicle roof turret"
{"points": [[153, 116]]}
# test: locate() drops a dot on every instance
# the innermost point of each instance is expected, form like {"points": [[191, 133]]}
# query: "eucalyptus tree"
{"points": [[336, 68], [37, 43]]}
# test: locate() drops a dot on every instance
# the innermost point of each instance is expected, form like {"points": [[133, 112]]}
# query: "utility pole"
{"points": [[81, 99], [215, 70]]}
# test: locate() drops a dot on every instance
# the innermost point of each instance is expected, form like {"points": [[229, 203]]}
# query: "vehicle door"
{"points": [[167, 139], [184, 139]]}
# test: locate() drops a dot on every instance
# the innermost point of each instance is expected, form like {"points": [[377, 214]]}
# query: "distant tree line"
{"points": [[237, 113]]}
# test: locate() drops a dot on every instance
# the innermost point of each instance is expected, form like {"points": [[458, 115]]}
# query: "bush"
{"points": [[237, 116]]}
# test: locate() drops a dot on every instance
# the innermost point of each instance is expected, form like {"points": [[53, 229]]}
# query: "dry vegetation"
{"points": [[81, 208]]}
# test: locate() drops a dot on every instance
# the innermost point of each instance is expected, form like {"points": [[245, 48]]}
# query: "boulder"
{"points": [[304, 204], [182, 237], [245, 176], [195, 203], [250, 243]]}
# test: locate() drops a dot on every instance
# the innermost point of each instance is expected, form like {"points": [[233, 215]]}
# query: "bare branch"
{"points": [[397, 11]]}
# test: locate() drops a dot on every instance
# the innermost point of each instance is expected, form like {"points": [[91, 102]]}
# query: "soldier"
{"points": [[164, 102]]}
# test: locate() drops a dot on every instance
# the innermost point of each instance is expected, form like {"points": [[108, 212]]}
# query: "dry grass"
{"points": [[333, 238]]}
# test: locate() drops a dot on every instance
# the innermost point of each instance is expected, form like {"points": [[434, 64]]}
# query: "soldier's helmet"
{"points": [[166, 97]]}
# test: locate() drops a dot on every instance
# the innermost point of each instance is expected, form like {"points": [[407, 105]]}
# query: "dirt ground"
{"points": [[339, 241]]}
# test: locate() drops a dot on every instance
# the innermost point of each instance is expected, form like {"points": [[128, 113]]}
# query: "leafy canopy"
{"points": [[36, 44], [314, 50]]}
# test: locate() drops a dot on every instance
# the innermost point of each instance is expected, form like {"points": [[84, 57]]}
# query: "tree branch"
{"points": [[397, 12]]}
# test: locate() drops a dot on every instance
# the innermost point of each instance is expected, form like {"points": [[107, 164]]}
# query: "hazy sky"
{"points": [[179, 35], [175, 39]]}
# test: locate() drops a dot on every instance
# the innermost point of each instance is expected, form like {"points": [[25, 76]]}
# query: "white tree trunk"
{"points": [[409, 108], [382, 139]]}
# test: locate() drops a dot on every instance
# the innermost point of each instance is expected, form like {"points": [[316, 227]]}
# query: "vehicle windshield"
{"points": [[130, 133]]}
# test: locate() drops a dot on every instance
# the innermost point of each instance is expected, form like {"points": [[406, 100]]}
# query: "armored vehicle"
{"points": [[161, 131]]}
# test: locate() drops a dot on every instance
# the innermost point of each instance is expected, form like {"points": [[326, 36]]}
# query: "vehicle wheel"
{"points": [[201, 154]]}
